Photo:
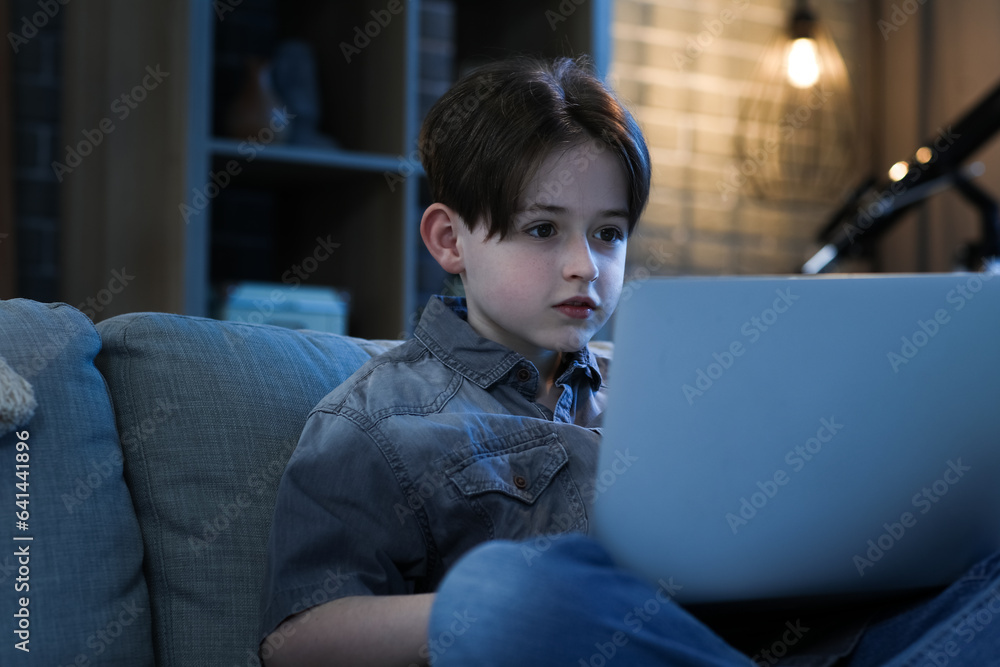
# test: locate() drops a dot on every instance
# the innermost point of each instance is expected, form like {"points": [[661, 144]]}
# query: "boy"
{"points": [[481, 426], [480, 433]]}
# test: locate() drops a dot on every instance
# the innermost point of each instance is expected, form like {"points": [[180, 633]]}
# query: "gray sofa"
{"points": [[154, 455]]}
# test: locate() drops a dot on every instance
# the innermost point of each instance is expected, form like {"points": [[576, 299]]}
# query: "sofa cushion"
{"points": [[87, 601], [208, 414]]}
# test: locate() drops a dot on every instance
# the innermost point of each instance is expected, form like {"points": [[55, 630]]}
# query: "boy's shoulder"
{"points": [[400, 376]]}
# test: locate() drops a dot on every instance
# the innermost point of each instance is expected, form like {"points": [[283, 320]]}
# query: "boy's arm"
{"points": [[359, 630], [340, 532]]}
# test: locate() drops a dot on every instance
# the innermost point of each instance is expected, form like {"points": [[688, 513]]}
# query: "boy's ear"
{"points": [[440, 228]]}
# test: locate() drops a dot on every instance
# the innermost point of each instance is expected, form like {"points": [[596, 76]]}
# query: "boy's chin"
{"points": [[573, 343]]}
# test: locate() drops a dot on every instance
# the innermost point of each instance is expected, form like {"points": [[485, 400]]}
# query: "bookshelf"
{"points": [[195, 202]]}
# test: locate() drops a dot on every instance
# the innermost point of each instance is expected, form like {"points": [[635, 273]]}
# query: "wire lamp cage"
{"points": [[797, 130]]}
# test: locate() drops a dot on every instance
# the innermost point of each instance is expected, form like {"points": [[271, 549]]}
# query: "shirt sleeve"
{"points": [[338, 527]]}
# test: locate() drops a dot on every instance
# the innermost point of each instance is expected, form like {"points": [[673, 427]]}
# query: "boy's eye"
{"points": [[542, 231], [611, 234]]}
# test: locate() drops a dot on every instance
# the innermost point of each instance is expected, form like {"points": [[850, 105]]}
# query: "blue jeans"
{"points": [[510, 604]]}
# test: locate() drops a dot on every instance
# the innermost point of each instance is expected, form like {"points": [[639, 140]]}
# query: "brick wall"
{"points": [[36, 72], [681, 66]]}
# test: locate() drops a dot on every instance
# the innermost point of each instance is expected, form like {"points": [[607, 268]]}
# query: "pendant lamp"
{"points": [[797, 129]]}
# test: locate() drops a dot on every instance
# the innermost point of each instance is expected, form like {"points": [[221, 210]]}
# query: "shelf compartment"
{"points": [[263, 234]]}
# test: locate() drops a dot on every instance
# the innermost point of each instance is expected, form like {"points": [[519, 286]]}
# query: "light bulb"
{"points": [[898, 171], [803, 65]]}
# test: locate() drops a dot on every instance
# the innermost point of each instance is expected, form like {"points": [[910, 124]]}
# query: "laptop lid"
{"points": [[789, 437]]}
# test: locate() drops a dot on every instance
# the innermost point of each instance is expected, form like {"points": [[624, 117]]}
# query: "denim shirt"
{"points": [[426, 451]]}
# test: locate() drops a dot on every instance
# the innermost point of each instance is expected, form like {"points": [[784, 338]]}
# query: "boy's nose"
{"points": [[580, 264]]}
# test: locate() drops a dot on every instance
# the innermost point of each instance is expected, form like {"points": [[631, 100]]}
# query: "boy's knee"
{"points": [[501, 575], [564, 553], [489, 555], [500, 590], [486, 574]]}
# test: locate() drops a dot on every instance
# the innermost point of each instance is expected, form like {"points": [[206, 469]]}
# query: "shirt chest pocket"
{"points": [[523, 490]]}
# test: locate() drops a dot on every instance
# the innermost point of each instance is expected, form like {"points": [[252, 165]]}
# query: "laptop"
{"points": [[800, 437]]}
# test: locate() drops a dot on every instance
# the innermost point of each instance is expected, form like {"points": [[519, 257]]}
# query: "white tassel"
{"points": [[17, 399]]}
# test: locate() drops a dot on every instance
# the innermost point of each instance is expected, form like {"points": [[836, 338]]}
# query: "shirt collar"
{"points": [[444, 331]]}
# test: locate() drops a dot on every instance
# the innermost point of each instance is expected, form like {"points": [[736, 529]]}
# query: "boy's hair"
{"points": [[483, 140]]}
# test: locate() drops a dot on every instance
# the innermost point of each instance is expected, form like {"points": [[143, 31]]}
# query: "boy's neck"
{"points": [[547, 362], [548, 365], [548, 394]]}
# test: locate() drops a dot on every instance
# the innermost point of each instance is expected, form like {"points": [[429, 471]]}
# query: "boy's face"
{"points": [[556, 278]]}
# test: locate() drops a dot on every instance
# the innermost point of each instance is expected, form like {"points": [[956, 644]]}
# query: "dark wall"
{"points": [[36, 72]]}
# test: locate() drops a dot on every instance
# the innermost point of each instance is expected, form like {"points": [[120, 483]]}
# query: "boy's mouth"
{"points": [[577, 308]]}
